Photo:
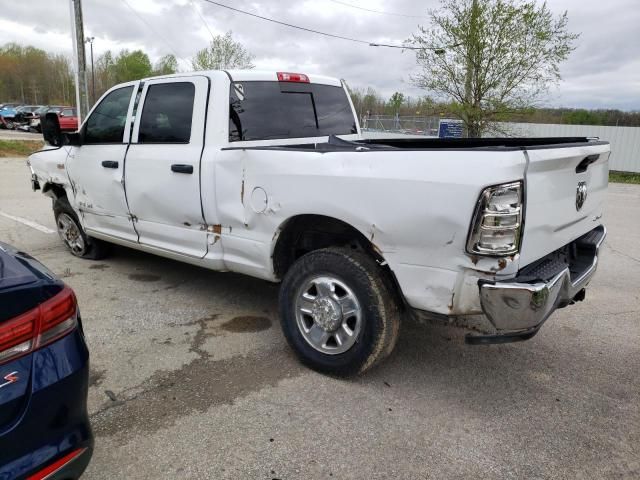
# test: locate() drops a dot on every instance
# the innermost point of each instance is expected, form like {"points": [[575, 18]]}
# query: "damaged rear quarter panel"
{"points": [[415, 207]]}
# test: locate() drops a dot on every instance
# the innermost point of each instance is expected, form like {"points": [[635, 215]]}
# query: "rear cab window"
{"points": [[268, 110]]}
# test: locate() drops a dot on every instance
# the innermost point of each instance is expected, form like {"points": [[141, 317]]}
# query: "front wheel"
{"points": [[73, 235], [337, 311]]}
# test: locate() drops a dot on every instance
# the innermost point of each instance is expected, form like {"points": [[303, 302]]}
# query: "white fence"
{"points": [[625, 141]]}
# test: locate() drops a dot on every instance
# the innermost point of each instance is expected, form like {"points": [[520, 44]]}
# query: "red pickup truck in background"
{"points": [[68, 118]]}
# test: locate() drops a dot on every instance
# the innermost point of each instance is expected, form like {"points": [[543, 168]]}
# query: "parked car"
{"points": [[9, 105], [44, 374], [244, 171], [25, 113], [35, 122], [68, 118], [20, 118], [7, 117]]}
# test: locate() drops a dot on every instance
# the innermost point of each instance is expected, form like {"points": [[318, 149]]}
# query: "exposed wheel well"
{"points": [[54, 190], [305, 233]]}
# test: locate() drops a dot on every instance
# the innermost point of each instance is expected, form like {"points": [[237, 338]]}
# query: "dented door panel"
{"points": [[96, 171], [163, 166]]}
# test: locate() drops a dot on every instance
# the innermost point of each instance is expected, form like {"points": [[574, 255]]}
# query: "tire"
{"points": [[315, 294], [73, 235]]}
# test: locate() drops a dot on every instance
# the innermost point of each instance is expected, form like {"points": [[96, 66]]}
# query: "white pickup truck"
{"points": [[267, 174]]}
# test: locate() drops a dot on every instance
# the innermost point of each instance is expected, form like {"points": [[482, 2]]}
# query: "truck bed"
{"points": [[336, 144]]}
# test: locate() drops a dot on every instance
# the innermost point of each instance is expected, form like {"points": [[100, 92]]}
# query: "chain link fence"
{"points": [[417, 125]]}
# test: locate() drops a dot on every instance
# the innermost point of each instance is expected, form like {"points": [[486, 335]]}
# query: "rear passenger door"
{"points": [[162, 176]]}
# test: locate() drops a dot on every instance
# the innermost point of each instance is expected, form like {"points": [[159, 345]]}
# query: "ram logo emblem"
{"points": [[581, 195]]}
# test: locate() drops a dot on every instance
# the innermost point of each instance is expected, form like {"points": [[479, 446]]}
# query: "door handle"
{"points": [[180, 168], [110, 164]]}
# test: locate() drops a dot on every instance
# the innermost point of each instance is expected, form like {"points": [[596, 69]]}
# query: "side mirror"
{"points": [[73, 138], [61, 114], [51, 129]]}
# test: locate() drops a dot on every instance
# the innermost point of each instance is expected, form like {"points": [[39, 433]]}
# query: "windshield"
{"points": [[276, 110]]}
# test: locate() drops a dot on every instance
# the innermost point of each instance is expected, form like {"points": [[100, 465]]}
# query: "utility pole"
{"points": [[77, 29]]}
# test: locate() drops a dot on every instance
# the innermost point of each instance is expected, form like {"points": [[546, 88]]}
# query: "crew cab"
{"points": [[268, 174]]}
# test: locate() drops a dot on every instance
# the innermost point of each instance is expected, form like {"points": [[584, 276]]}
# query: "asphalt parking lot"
{"points": [[191, 376]]}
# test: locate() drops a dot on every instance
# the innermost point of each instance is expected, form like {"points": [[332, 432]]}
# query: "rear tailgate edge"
{"points": [[563, 202]]}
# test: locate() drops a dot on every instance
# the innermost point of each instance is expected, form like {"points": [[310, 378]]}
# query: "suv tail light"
{"points": [[292, 77], [497, 221], [39, 326]]}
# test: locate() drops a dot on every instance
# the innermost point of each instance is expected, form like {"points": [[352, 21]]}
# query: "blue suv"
{"points": [[44, 374]]}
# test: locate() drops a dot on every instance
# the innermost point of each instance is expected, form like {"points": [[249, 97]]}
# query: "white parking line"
{"points": [[28, 223]]}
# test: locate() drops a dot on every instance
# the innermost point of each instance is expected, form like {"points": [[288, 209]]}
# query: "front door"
{"points": [[163, 165], [96, 168]]}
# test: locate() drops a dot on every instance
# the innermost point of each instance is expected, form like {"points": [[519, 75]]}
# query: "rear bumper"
{"points": [[70, 466], [518, 307]]}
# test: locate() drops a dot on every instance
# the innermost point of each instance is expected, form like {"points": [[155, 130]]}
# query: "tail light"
{"points": [[36, 328], [497, 221], [292, 77]]}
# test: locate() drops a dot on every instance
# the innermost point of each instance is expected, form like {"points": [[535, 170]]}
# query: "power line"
{"points": [[377, 11], [310, 30], [153, 30], [206, 25]]}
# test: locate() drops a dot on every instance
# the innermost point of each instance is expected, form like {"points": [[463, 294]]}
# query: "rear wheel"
{"points": [[72, 234], [337, 312]]}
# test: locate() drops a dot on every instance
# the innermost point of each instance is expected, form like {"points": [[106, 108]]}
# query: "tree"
{"points": [[166, 65], [491, 57], [30, 75], [395, 102], [372, 102], [223, 53], [104, 72], [131, 66]]}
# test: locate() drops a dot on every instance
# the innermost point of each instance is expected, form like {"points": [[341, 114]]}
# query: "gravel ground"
{"points": [[191, 376]]}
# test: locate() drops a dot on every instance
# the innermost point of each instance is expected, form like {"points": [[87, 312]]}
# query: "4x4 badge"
{"points": [[9, 379], [581, 195]]}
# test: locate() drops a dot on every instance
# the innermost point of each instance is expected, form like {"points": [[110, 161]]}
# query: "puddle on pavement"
{"points": [[144, 277], [99, 266], [246, 324]]}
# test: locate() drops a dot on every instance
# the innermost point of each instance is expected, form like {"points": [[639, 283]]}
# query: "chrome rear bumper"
{"points": [[518, 308]]}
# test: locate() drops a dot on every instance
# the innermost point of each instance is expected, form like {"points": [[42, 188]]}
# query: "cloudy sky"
{"points": [[603, 71]]}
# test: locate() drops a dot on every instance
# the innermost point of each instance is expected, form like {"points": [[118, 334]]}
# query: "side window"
{"points": [[167, 113], [106, 123], [68, 112]]}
